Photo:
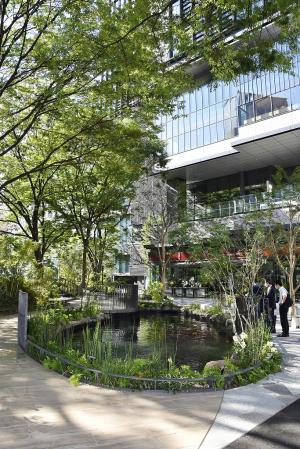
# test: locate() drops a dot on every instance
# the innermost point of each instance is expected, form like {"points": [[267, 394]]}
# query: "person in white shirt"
{"points": [[283, 309]]}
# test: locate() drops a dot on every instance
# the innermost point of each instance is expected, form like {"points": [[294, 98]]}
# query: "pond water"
{"points": [[186, 340]]}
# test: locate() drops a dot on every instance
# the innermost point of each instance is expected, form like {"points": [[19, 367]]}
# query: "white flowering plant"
{"points": [[239, 342], [253, 345]]}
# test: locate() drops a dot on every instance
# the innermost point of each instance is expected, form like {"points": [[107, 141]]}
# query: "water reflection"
{"points": [[186, 340]]}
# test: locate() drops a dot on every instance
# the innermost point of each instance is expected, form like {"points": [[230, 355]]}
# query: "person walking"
{"points": [[284, 305], [270, 303]]}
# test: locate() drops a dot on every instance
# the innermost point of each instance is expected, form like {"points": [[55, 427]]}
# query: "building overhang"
{"points": [[271, 142]]}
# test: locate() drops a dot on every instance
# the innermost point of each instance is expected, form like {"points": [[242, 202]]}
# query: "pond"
{"points": [[184, 339]]}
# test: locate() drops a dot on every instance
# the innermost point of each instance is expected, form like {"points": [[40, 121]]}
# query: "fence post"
{"points": [[135, 295], [22, 319]]}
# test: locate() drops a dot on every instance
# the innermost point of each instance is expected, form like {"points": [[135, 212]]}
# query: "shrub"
{"points": [[157, 291]]}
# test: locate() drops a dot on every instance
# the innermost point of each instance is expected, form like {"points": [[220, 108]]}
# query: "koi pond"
{"points": [[185, 340]]}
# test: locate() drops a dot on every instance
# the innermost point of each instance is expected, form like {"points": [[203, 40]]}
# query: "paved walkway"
{"points": [[281, 431], [39, 409], [244, 408]]}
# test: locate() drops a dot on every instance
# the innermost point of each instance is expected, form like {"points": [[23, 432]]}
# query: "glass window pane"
{"points": [[281, 102], [295, 96], [169, 147], [187, 141], [213, 133], [200, 137], [175, 145], [219, 93], [206, 135], [181, 143], [199, 118], [175, 127], [246, 114], [233, 107], [226, 108], [277, 82], [205, 93], [219, 109], [268, 84], [229, 90], [180, 125], [227, 129], [281, 79], [263, 108], [212, 114], [193, 139], [212, 96], [272, 82], [186, 99], [169, 129], [234, 127], [187, 123], [193, 101], [286, 80], [198, 93], [233, 89], [263, 85], [193, 118], [176, 8], [205, 116], [220, 131]]}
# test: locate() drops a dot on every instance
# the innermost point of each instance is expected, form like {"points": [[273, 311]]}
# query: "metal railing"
{"points": [[97, 377], [123, 298], [243, 205]]}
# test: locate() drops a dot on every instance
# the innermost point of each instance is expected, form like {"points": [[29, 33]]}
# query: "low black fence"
{"points": [[123, 298], [100, 378]]}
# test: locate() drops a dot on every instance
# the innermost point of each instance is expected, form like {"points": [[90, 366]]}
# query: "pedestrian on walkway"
{"points": [[270, 305], [284, 305]]}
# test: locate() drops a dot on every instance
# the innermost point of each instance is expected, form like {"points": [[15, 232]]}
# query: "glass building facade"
{"points": [[211, 115]]}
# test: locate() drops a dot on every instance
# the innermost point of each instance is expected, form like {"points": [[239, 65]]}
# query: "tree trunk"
{"points": [[84, 267], [163, 269]]}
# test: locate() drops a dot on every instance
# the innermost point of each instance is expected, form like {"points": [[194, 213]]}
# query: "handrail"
{"points": [[242, 205], [211, 381]]}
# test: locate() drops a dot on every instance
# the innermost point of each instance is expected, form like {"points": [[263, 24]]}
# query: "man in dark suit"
{"points": [[270, 304]]}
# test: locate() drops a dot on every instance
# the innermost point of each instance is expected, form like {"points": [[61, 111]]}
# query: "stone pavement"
{"points": [[281, 431], [39, 409], [244, 408]]}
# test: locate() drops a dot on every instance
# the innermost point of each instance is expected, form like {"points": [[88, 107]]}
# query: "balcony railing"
{"points": [[244, 204]]}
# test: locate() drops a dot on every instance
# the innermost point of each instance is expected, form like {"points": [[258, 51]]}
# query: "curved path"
{"points": [[39, 409], [245, 408]]}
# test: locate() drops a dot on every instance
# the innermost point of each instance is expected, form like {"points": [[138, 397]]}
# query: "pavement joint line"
{"points": [[238, 411], [50, 404], [230, 424]]}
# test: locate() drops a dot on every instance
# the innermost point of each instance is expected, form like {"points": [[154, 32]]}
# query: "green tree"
{"points": [[28, 214], [231, 260], [97, 190], [103, 62], [156, 202], [283, 221]]}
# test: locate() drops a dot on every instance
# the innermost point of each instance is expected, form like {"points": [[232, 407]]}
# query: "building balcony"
{"points": [[244, 204]]}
